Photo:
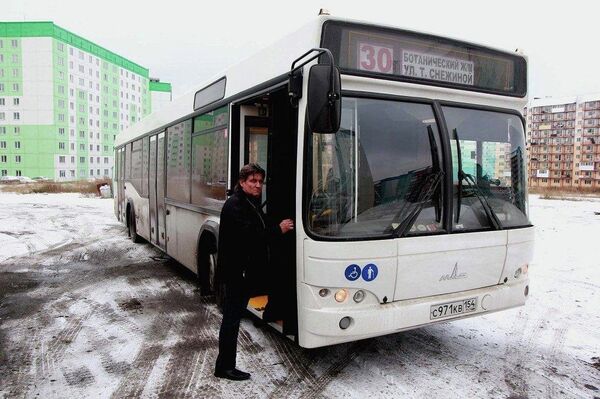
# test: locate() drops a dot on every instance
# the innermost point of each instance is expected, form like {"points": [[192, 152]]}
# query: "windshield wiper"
{"points": [[406, 215], [491, 215], [484, 202], [459, 160]]}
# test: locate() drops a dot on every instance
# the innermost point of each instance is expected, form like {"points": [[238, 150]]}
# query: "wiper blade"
{"points": [[460, 170], [484, 203], [406, 216]]}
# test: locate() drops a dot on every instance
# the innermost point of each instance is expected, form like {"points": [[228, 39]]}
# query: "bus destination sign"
{"points": [[377, 58], [408, 56], [435, 67]]}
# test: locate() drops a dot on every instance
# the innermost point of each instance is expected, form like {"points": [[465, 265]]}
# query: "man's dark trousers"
{"points": [[236, 300]]}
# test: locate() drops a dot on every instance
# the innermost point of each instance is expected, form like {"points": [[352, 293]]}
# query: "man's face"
{"points": [[253, 185]]}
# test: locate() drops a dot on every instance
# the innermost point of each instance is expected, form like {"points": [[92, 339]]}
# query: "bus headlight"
{"points": [[359, 296], [323, 292], [341, 295]]}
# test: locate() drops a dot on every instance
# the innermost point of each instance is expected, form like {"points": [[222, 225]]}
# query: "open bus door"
{"points": [[268, 131]]}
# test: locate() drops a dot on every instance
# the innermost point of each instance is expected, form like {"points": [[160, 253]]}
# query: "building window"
{"points": [[17, 144], [4, 172], [105, 159], [61, 159], [61, 146], [3, 158], [2, 102], [91, 172], [17, 158], [61, 131], [2, 144], [105, 172], [14, 43], [18, 173], [61, 173], [81, 159], [16, 101], [2, 116], [15, 87], [91, 159], [3, 130]]}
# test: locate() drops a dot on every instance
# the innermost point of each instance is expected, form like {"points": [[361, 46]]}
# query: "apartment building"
{"points": [[563, 139], [63, 101]]}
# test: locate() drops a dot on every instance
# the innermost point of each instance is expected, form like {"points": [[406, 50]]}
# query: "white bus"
{"points": [[400, 155]]}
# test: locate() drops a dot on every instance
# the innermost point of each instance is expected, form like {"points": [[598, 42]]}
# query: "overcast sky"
{"points": [[187, 42]]}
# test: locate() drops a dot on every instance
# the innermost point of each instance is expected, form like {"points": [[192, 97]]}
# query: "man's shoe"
{"points": [[233, 374]]}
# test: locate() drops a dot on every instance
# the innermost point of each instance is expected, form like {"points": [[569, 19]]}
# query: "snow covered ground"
{"points": [[86, 313]]}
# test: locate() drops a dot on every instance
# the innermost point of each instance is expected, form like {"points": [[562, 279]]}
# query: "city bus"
{"points": [[400, 155]]}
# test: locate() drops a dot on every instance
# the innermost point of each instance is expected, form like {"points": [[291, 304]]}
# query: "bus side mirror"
{"points": [[324, 110]]}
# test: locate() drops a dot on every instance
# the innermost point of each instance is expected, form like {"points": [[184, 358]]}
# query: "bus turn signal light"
{"points": [[323, 292]]}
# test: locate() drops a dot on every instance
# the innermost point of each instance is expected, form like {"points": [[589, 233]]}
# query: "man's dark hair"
{"points": [[249, 170]]}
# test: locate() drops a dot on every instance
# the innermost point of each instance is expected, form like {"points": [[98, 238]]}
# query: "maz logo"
{"points": [[455, 275]]}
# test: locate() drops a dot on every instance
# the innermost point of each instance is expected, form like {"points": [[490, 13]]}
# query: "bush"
{"points": [[80, 186]]}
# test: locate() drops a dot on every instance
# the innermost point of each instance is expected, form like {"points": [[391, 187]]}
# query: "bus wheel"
{"points": [[132, 228]]}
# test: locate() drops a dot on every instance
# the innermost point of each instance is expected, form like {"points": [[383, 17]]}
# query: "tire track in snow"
{"points": [[133, 382]]}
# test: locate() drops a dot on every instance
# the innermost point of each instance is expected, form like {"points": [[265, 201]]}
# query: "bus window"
{"points": [[178, 161], [491, 183], [210, 144], [367, 179]]}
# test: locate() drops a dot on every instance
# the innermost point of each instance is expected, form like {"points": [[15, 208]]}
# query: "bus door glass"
{"points": [[152, 191], [160, 190], [257, 144]]}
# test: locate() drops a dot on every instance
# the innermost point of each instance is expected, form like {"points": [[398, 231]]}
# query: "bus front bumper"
{"points": [[320, 326]]}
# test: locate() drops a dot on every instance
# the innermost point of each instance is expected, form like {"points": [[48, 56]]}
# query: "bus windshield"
{"points": [[377, 172], [380, 176], [488, 160]]}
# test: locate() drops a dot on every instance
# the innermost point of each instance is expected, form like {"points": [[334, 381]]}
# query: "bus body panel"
{"points": [[519, 252], [326, 264], [442, 264]]}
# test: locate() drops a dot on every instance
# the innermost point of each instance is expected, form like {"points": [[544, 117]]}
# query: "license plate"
{"points": [[450, 309]]}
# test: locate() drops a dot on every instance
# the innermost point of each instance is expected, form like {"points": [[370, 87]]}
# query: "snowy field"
{"points": [[86, 313]]}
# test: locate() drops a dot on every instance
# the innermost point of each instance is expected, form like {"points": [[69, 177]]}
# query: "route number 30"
{"points": [[375, 58]]}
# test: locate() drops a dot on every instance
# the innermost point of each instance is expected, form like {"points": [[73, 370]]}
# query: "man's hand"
{"points": [[286, 225]]}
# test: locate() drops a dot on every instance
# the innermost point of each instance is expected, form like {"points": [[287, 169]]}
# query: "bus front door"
{"points": [[160, 191], [152, 192], [268, 135]]}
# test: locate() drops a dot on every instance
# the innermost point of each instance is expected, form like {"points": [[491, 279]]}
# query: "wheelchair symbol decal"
{"points": [[352, 272], [368, 273]]}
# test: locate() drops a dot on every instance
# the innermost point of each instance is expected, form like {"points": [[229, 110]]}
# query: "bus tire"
{"points": [[131, 227]]}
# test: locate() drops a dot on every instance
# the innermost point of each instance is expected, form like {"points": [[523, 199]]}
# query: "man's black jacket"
{"points": [[244, 236]]}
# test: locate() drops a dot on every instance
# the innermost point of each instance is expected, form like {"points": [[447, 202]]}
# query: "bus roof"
{"points": [[273, 61]]}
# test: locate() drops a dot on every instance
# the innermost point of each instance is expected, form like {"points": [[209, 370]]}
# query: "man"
{"points": [[244, 236]]}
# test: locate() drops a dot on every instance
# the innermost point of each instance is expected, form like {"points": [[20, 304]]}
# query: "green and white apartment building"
{"points": [[64, 99]]}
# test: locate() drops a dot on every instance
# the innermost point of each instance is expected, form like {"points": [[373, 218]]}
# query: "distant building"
{"points": [[63, 100], [563, 139]]}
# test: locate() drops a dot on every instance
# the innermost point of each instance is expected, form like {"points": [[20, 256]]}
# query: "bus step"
{"points": [[256, 306]]}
